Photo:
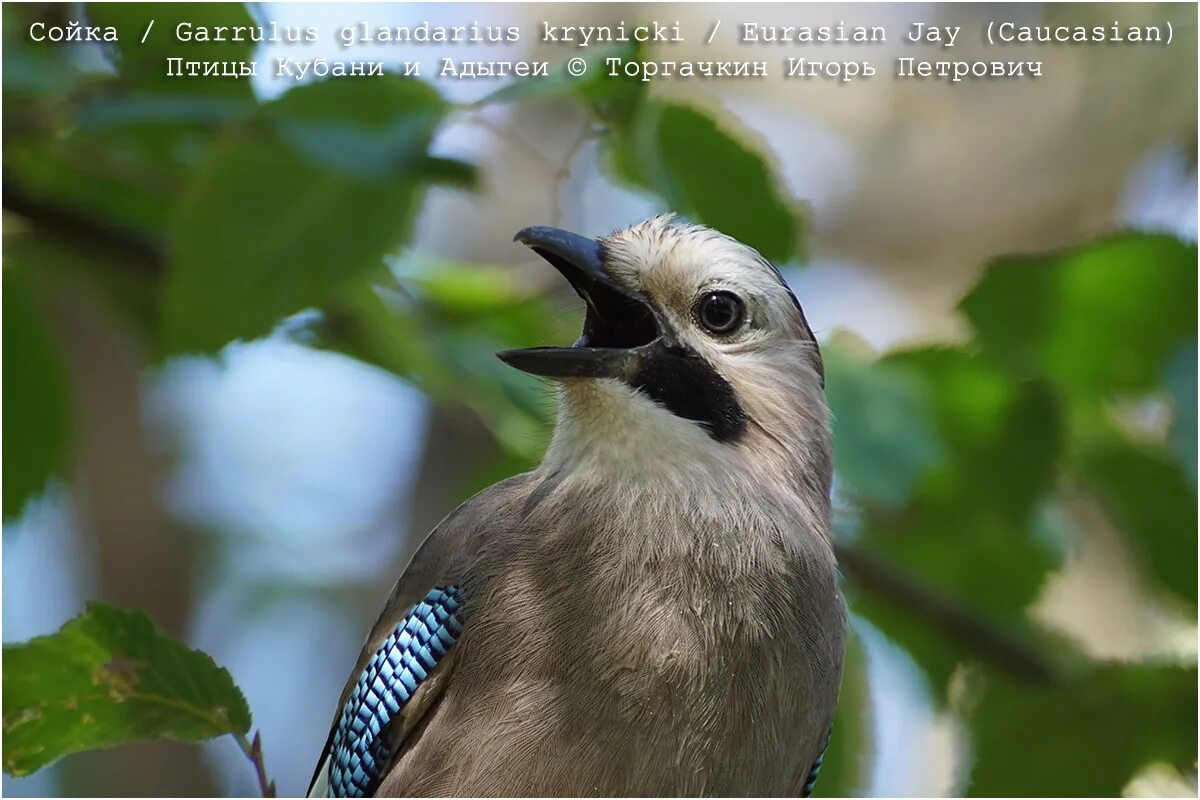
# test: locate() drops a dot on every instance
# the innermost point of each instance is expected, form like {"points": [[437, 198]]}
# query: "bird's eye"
{"points": [[720, 312]]}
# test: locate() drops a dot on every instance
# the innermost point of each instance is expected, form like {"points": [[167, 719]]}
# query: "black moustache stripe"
{"points": [[689, 387]]}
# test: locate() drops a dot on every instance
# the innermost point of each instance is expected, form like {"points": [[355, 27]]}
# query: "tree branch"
{"points": [[143, 255], [945, 613], [253, 751], [866, 569]]}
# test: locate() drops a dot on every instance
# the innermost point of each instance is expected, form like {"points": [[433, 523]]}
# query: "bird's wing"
{"points": [[815, 771], [409, 655], [399, 682]]}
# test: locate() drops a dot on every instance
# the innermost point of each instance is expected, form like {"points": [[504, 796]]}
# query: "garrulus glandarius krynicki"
{"points": [[654, 609]]}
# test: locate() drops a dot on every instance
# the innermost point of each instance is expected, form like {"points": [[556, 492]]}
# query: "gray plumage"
{"points": [[654, 609]]}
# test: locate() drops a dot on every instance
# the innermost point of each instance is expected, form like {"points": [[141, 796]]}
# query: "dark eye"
{"points": [[720, 312]]}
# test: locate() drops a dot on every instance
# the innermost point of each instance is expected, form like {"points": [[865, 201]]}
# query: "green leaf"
{"points": [[144, 65], [36, 409], [105, 678], [126, 284], [34, 70], [1153, 504], [460, 289], [883, 429], [115, 178], [117, 149], [1084, 739], [971, 531], [285, 212], [1002, 441], [1096, 320], [446, 345], [612, 99], [704, 172], [1180, 381], [140, 109], [118, 173]]}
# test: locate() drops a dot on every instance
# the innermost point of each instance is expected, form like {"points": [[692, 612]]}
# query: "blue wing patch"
{"points": [[361, 743], [815, 770]]}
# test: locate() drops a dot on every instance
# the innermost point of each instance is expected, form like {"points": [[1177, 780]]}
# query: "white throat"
{"points": [[608, 430]]}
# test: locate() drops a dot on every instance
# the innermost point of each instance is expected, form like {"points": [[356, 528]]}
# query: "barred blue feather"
{"points": [[361, 743], [815, 770]]}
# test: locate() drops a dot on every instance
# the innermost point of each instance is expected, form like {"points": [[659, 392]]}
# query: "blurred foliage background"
{"points": [[247, 353]]}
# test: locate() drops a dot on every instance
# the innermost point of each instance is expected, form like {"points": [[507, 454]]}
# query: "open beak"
{"points": [[620, 329]]}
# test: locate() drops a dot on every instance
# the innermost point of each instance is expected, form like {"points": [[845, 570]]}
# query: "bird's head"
{"points": [[693, 348]]}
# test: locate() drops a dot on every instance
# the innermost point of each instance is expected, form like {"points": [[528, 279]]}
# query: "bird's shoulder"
{"points": [[435, 571], [451, 548], [448, 552]]}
